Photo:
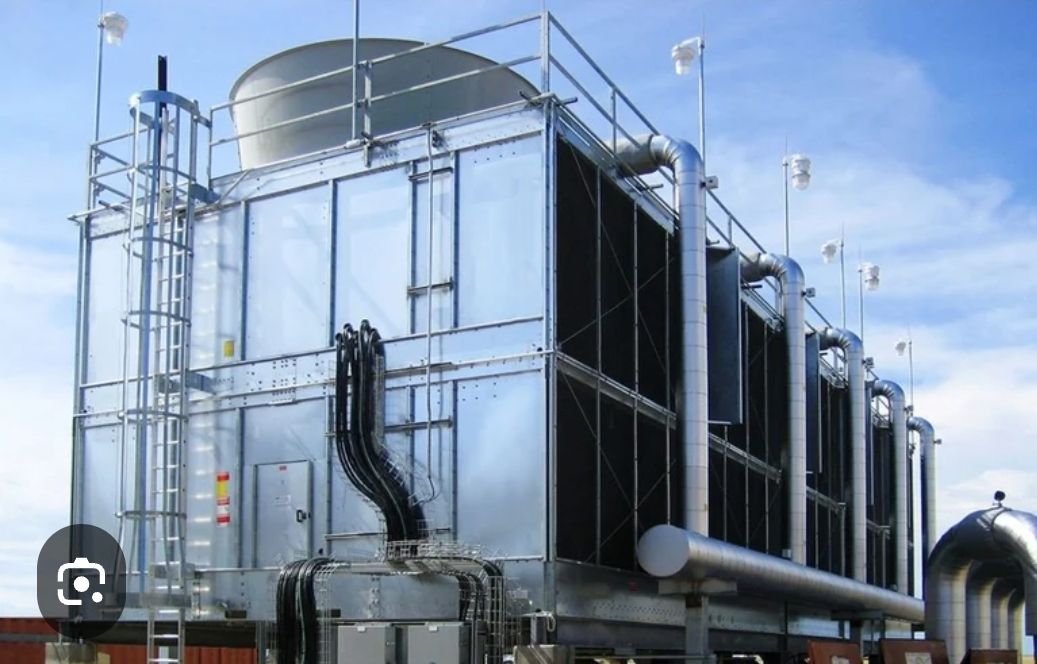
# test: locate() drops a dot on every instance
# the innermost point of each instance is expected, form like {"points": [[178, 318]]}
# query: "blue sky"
{"points": [[919, 118]]}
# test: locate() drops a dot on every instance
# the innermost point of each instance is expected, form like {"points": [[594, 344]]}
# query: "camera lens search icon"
{"points": [[81, 582], [84, 598]]}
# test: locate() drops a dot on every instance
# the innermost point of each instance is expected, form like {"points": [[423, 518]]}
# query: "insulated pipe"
{"points": [[927, 457], [1014, 616], [901, 477], [671, 552], [853, 353], [790, 276], [648, 154], [997, 533], [979, 609], [1000, 601]]}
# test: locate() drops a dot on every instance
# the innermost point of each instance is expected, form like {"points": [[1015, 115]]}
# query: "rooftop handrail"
{"points": [[373, 61], [549, 58]]}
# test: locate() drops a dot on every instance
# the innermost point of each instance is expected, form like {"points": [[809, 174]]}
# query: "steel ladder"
{"points": [[156, 360]]}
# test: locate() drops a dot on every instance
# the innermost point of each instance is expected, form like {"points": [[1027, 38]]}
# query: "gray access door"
{"points": [[282, 513]]}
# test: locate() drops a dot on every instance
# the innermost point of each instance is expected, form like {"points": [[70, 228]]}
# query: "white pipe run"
{"points": [[998, 534], [670, 552], [853, 354], [901, 476], [927, 454], [648, 154], [790, 276]]}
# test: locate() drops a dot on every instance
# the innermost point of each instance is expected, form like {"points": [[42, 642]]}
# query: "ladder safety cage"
{"points": [[150, 177]]}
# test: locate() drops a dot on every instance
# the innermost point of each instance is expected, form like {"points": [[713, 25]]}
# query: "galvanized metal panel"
{"points": [[283, 512], [282, 434], [369, 643], [400, 149], [501, 452], [500, 231], [217, 282], [106, 305], [214, 449], [288, 292], [724, 334], [438, 643], [441, 232], [372, 251], [100, 459]]}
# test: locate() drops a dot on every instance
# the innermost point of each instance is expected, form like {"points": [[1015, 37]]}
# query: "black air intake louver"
{"points": [[364, 459]]}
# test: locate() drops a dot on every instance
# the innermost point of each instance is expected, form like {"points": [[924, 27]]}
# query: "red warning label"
{"points": [[222, 498]]}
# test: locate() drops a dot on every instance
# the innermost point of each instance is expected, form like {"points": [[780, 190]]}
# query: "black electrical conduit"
{"points": [[364, 459], [369, 468]]}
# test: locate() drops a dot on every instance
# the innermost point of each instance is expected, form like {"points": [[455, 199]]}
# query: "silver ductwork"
{"points": [[670, 552], [984, 610], [901, 475], [1014, 618], [648, 154], [853, 353], [1006, 590], [790, 276], [997, 534], [927, 447]]}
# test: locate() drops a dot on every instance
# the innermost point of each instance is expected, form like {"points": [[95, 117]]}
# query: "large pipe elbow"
{"points": [[901, 476], [1016, 532], [853, 353], [790, 276], [644, 155], [996, 534]]}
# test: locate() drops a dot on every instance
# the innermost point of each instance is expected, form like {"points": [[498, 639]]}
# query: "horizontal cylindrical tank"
{"points": [[458, 96]]}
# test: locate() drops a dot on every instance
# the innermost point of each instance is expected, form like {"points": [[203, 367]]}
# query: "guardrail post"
{"points": [[545, 51], [368, 87]]}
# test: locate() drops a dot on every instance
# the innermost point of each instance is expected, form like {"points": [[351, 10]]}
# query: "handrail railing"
{"points": [[550, 59]]}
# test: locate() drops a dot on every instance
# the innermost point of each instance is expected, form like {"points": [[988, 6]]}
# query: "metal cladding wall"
{"points": [[528, 299]]}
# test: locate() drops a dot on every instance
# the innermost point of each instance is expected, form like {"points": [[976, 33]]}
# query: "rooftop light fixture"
{"points": [[114, 26], [796, 167]]}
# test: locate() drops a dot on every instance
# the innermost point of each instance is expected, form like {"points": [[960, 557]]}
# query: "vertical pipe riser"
{"points": [[853, 353], [645, 155], [790, 275], [901, 477]]}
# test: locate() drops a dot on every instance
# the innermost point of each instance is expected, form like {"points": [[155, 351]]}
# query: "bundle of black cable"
{"points": [[364, 459], [298, 634]]}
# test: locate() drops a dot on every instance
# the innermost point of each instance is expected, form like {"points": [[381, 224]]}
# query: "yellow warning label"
{"points": [[228, 348]]}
